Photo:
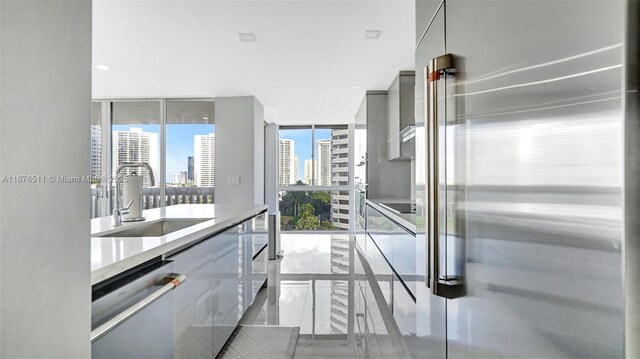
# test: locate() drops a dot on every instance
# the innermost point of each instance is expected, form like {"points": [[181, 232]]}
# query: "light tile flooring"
{"points": [[309, 288]]}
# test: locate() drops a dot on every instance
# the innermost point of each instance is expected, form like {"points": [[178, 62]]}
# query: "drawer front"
{"points": [[397, 245], [381, 271]]}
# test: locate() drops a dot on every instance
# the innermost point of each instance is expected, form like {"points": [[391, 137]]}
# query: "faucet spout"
{"points": [[117, 211]]}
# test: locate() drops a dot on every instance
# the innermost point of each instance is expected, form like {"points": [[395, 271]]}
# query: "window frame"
{"points": [[106, 200], [349, 187]]}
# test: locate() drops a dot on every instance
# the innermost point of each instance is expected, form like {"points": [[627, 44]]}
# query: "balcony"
{"points": [[173, 195]]}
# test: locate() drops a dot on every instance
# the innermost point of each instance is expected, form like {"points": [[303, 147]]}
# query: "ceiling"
{"points": [[303, 67]]}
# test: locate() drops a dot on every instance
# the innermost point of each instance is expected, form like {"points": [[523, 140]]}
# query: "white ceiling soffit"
{"points": [[306, 65]]}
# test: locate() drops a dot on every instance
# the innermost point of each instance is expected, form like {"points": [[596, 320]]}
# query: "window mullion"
{"points": [[163, 151], [313, 156]]}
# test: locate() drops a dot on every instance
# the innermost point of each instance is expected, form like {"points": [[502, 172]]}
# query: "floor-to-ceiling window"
{"points": [[135, 137], [176, 137], [190, 152], [313, 178]]}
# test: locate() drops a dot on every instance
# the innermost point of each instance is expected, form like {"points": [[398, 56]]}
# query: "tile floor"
{"points": [[311, 284]]}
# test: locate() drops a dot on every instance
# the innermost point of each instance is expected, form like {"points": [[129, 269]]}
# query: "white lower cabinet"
{"points": [[223, 278], [384, 308]]}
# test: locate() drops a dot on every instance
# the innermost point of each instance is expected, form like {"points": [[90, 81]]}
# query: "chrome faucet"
{"points": [[117, 211]]}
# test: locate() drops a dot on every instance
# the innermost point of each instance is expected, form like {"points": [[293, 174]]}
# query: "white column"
{"points": [[45, 111]]}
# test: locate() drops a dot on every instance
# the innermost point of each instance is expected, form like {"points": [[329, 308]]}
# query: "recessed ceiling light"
{"points": [[276, 87], [356, 87], [247, 37], [372, 34], [103, 67], [328, 111]]}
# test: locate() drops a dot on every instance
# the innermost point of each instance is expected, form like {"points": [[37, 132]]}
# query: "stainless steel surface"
{"points": [[117, 211], [532, 144], [170, 283], [156, 229], [442, 284], [430, 309], [134, 219], [632, 184]]}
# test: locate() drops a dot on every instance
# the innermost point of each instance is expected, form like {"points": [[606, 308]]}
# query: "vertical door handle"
{"points": [[440, 285]]}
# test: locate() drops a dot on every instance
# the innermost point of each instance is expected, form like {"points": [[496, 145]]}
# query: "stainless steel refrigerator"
{"points": [[519, 171]]}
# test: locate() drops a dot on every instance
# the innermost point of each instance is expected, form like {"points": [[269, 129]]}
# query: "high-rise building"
{"points": [[96, 150], [136, 145], [175, 179], [340, 176], [183, 177], [324, 163], [286, 162], [308, 168], [190, 169], [204, 160], [296, 169]]}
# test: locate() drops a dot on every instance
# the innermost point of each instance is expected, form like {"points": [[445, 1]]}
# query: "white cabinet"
{"points": [[223, 279], [401, 117], [193, 303]]}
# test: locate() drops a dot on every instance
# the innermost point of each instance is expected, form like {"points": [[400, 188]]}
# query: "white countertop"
{"points": [[113, 255], [407, 220]]}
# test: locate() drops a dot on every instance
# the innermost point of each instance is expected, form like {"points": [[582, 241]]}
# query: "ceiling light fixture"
{"points": [[328, 111], [356, 87], [103, 67], [276, 87], [247, 37], [372, 34]]}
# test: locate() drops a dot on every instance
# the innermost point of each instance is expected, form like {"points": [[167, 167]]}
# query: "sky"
{"points": [[179, 143], [303, 144]]}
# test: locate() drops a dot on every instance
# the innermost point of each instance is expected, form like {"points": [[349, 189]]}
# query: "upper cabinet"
{"points": [[401, 117], [384, 179]]}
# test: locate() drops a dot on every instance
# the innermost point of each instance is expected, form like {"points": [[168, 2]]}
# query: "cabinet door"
{"points": [[430, 313], [193, 303], [538, 104], [252, 240], [227, 285], [404, 313], [257, 231], [398, 246]]}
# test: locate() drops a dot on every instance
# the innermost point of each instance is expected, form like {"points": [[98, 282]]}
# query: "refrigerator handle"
{"points": [[440, 285]]}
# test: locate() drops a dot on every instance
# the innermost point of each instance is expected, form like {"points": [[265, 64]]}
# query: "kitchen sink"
{"points": [[155, 229]]}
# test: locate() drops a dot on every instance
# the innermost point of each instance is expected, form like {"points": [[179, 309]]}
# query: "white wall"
{"points": [[239, 149], [45, 108]]}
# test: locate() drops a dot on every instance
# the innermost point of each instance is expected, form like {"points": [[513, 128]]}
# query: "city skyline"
{"points": [[180, 144], [303, 146]]}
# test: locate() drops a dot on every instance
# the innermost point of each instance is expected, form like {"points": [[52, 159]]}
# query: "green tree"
{"points": [[291, 202], [307, 220], [321, 202]]}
